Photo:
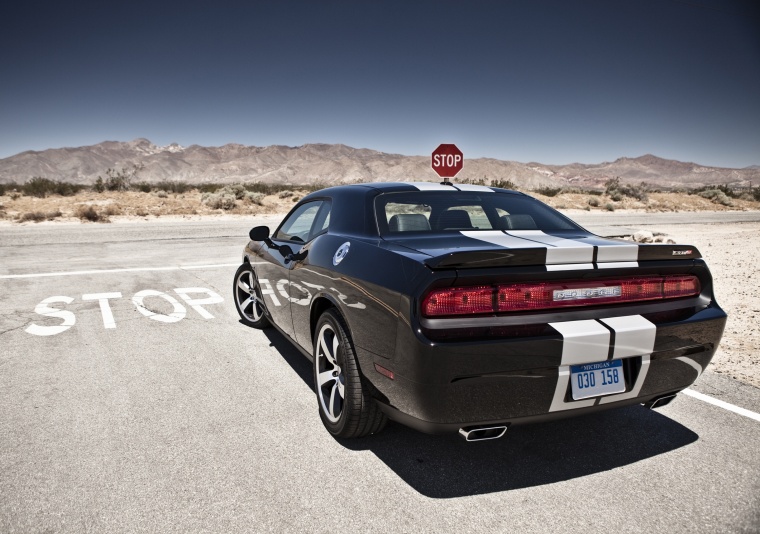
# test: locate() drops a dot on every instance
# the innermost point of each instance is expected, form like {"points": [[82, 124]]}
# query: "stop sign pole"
{"points": [[447, 160]]}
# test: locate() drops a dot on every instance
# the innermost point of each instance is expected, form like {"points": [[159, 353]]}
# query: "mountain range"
{"points": [[332, 164]]}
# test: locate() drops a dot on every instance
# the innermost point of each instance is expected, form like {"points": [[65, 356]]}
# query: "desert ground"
{"points": [[732, 251]]}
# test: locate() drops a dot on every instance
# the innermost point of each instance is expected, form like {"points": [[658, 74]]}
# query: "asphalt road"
{"points": [[194, 423]]}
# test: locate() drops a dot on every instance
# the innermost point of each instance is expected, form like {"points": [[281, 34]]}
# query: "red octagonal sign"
{"points": [[447, 160]]}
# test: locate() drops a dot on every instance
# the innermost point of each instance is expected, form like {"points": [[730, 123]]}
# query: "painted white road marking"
{"points": [[722, 404], [176, 315], [213, 298], [69, 319], [105, 308], [125, 270]]}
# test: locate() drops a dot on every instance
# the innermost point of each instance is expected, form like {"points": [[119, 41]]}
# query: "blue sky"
{"points": [[542, 80]]}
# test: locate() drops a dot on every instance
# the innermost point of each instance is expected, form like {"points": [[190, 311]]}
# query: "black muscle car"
{"points": [[463, 308]]}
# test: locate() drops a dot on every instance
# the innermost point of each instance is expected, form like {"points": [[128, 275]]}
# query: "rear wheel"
{"points": [[345, 405], [248, 299]]}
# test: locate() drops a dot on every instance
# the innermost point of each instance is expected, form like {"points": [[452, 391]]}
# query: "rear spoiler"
{"points": [[611, 256]]}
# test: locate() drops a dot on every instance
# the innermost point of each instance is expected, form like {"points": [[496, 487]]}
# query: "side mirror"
{"points": [[259, 233]]}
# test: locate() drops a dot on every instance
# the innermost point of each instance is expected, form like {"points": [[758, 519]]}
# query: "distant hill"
{"points": [[332, 164]]}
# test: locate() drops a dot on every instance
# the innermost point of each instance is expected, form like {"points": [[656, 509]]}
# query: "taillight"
{"points": [[549, 295], [458, 301]]}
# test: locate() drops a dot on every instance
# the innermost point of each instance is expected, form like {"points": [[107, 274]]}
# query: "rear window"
{"points": [[444, 211]]}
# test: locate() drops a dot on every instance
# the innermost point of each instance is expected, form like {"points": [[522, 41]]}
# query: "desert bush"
{"points": [[39, 216], [174, 186], [617, 190], [7, 188], [209, 188], [593, 201], [610, 206], [255, 198], [89, 213], [717, 196], [756, 193], [112, 209], [573, 190], [272, 189], [727, 191], [223, 201], [503, 184], [549, 191], [120, 180], [285, 194], [142, 187], [42, 187], [162, 194]]}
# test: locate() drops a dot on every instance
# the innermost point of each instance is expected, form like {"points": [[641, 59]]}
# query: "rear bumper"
{"points": [[441, 387]]}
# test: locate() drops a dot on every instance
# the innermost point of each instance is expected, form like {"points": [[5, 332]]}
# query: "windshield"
{"points": [[443, 211]]}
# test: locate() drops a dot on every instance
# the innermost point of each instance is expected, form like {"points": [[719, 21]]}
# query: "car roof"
{"points": [[353, 211]]}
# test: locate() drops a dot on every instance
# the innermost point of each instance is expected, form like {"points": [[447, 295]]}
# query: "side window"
{"points": [[306, 222], [297, 227]]}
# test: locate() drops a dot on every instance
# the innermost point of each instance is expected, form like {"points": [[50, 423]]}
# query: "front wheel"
{"points": [[248, 298], [345, 405]]}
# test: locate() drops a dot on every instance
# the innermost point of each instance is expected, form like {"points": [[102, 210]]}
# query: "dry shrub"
{"points": [[716, 196], [216, 201], [112, 209], [89, 213], [39, 216], [255, 198]]}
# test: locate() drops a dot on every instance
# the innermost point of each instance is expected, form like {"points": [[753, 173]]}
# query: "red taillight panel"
{"points": [[551, 295], [458, 301]]}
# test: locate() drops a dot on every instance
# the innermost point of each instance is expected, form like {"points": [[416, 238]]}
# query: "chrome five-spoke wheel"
{"points": [[345, 404], [330, 378], [248, 298]]}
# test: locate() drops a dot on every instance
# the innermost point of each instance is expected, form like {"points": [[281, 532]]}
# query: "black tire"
{"points": [[249, 301], [343, 396]]}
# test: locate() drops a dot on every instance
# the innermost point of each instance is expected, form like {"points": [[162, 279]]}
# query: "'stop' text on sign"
{"points": [[447, 160]]}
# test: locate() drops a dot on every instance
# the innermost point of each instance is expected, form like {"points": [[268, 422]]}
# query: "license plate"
{"points": [[596, 379]]}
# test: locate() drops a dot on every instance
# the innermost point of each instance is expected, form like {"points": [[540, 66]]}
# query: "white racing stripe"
{"points": [[617, 253], [430, 186], [722, 404], [589, 341], [497, 237], [126, 270], [560, 250], [470, 187], [583, 341], [570, 267], [617, 264], [634, 335]]}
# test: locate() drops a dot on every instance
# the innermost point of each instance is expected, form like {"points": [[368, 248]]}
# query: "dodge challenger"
{"points": [[464, 308]]}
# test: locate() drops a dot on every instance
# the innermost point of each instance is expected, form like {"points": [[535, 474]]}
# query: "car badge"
{"points": [[341, 253]]}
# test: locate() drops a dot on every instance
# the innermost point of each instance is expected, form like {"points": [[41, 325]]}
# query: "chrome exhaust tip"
{"points": [[660, 401], [482, 433]]}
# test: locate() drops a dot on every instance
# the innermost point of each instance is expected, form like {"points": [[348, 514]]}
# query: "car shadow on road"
{"points": [[528, 455]]}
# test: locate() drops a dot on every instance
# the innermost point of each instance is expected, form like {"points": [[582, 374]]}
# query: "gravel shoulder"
{"points": [[732, 251]]}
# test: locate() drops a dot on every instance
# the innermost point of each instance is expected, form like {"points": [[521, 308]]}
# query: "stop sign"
{"points": [[447, 160]]}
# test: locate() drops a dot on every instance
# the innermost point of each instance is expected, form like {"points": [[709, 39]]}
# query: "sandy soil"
{"points": [[733, 254]]}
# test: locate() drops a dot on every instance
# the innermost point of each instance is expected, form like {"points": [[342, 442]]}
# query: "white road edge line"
{"points": [[127, 270], [722, 404]]}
